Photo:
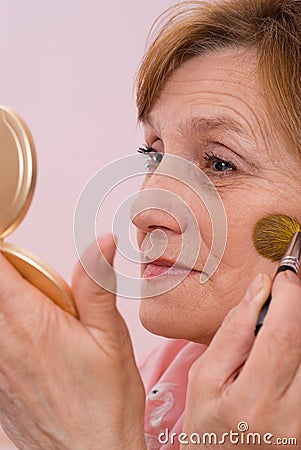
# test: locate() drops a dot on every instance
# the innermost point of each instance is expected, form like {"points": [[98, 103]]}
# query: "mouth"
{"points": [[163, 267]]}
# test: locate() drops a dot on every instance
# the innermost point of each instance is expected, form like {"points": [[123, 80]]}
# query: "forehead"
{"points": [[221, 86]]}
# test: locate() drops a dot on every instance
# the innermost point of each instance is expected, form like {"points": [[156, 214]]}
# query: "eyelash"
{"points": [[213, 158], [153, 159]]}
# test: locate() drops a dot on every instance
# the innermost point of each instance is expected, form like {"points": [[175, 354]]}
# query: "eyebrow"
{"points": [[199, 124]]}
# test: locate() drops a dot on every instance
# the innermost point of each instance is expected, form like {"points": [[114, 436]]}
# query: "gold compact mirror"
{"points": [[18, 168]]}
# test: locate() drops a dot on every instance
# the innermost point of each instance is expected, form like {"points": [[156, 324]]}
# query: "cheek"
{"points": [[239, 237], [244, 208], [194, 311]]}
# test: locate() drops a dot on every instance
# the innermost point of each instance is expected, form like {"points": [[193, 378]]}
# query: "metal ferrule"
{"points": [[292, 256]]}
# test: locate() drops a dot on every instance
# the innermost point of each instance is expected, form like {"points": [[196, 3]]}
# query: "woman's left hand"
{"points": [[68, 384], [245, 389]]}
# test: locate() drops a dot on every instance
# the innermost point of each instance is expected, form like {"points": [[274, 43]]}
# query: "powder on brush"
{"points": [[272, 235]]}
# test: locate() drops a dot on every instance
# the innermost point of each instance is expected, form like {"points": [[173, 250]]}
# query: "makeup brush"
{"points": [[278, 237]]}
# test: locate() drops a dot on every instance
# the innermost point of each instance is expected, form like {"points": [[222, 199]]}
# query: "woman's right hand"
{"points": [[67, 384], [247, 385]]}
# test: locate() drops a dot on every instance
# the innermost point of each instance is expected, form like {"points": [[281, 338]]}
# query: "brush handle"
{"points": [[265, 307]]}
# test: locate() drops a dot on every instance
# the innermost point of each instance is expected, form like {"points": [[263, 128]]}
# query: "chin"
{"points": [[154, 320], [189, 310], [165, 318]]}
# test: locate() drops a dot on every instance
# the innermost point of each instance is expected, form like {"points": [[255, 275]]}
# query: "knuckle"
{"points": [[227, 405], [283, 336], [197, 374], [193, 373], [234, 323], [202, 383], [231, 316], [293, 290], [286, 288]]}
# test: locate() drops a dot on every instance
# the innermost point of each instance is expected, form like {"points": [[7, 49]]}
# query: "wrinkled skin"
{"points": [[263, 177], [257, 381], [68, 384], [220, 86]]}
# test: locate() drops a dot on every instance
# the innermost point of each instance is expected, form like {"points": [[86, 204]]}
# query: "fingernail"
{"points": [[292, 277], [254, 288]]}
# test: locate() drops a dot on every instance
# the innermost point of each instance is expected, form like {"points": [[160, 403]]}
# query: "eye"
{"points": [[218, 164], [152, 156]]}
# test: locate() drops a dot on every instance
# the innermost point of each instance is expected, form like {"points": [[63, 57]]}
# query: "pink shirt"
{"points": [[165, 376]]}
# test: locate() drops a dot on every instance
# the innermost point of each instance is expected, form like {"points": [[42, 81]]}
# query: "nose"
{"points": [[159, 208], [166, 224], [153, 209], [167, 202], [150, 219]]}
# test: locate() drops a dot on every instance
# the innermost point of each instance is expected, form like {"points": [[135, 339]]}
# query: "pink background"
{"points": [[68, 67]]}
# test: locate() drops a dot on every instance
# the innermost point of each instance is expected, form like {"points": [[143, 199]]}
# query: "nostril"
{"points": [[153, 219], [153, 228]]}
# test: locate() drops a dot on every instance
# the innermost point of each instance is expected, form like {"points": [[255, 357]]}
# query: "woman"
{"points": [[219, 88]]}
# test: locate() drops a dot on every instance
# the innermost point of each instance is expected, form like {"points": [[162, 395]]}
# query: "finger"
{"points": [[293, 394], [26, 315], [94, 270], [18, 296], [276, 355], [232, 343], [11, 282], [97, 304]]}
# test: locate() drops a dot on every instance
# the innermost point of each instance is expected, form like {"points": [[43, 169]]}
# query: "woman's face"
{"points": [[211, 112]]}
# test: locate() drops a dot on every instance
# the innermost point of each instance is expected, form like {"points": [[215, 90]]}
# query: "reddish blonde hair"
{"points": [[272, 27]]}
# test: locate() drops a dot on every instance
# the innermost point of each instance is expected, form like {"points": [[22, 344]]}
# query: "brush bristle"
{"points": [[272, 235]]}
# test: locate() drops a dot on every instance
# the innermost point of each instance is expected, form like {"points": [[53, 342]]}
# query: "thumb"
{"points": [[93, 286]]}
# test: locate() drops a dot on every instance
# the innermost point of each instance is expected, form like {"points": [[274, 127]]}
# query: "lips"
{"points": [[165, 268]]}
